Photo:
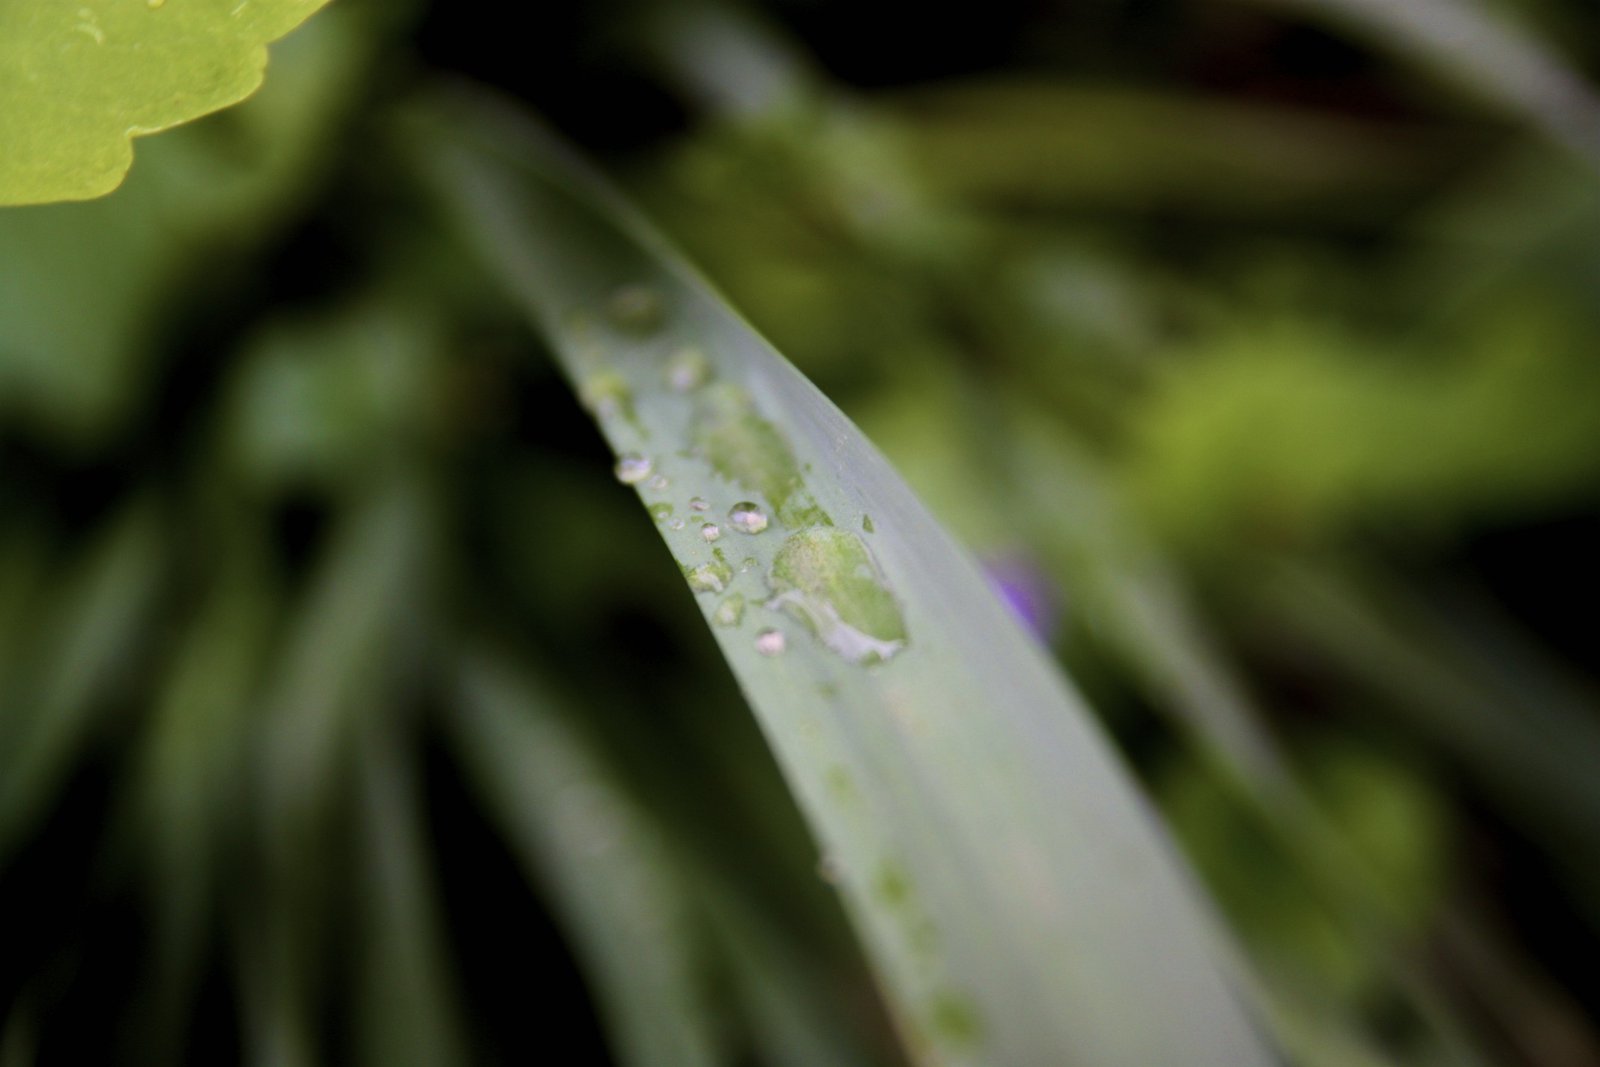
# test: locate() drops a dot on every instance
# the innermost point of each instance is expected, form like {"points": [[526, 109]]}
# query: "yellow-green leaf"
{"points": [[79, 79]]}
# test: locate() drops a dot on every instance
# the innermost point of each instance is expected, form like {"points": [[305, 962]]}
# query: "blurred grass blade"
{"points": [[188, 793], [348, 653], [408, 1015], [1528, 737], [1019, 899], [602, 866], [797, 1015], [1475, 46], [80, 655]]}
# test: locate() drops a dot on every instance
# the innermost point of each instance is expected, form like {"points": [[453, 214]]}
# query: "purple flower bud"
{"points": [[1028, 592]]}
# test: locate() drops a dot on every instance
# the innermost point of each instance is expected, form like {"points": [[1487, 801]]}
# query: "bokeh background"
{"points": [[349, 712]]}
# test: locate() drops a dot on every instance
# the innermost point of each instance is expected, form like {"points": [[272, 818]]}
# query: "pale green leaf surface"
{"points": [[79, 80], [1018, 898]]}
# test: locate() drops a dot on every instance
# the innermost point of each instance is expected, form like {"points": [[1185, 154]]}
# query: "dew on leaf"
{"points": [[688, 369], [747, 517], [771, 642], [709, 577], [710, 531], [633, 468], [730, 612], [828, 580], [749, 451]]}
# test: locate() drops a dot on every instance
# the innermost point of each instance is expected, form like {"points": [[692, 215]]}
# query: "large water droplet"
{"points": [[747, 517], [632, 468], [688, 369], [709, 577], [771, 642], [730, 612], [636, 308], [710, 531], [828, 580]]}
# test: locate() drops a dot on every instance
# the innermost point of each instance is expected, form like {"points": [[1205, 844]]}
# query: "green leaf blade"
{"points": [[1018, 898]]}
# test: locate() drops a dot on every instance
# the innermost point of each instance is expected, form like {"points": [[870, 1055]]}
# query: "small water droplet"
{"points": [[675, 524], [632, 468], [828, 869], [866, 523], [709, 577], [688, 369], [699, 503], [747, 517], [710, 531], [153, 4], [661, 511], [771, 642], [730, 612], [749, 563], [659, 482], [636, 308]]}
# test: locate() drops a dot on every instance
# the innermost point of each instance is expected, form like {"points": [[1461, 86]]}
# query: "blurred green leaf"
{"points": [[77, 81], [203, 200]]}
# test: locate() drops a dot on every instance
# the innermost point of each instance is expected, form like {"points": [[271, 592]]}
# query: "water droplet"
{"points": [[632, 468], [675, 524], [699, 503], [747, 517], [771, 642], [709, 577], [661, 511], [866, 523], [741, 446], [636, 308], [730, 612], [688, 369], [659, 482], [153, 4], [828, 869], [710, 531], [748, 564], [828, 580]]}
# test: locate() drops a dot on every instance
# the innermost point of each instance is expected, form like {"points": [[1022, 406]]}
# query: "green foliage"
{"points": [[78, 81], [351, 712]]}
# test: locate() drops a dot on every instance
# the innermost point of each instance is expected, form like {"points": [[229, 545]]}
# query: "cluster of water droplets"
{"points": [[824, 579]]}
